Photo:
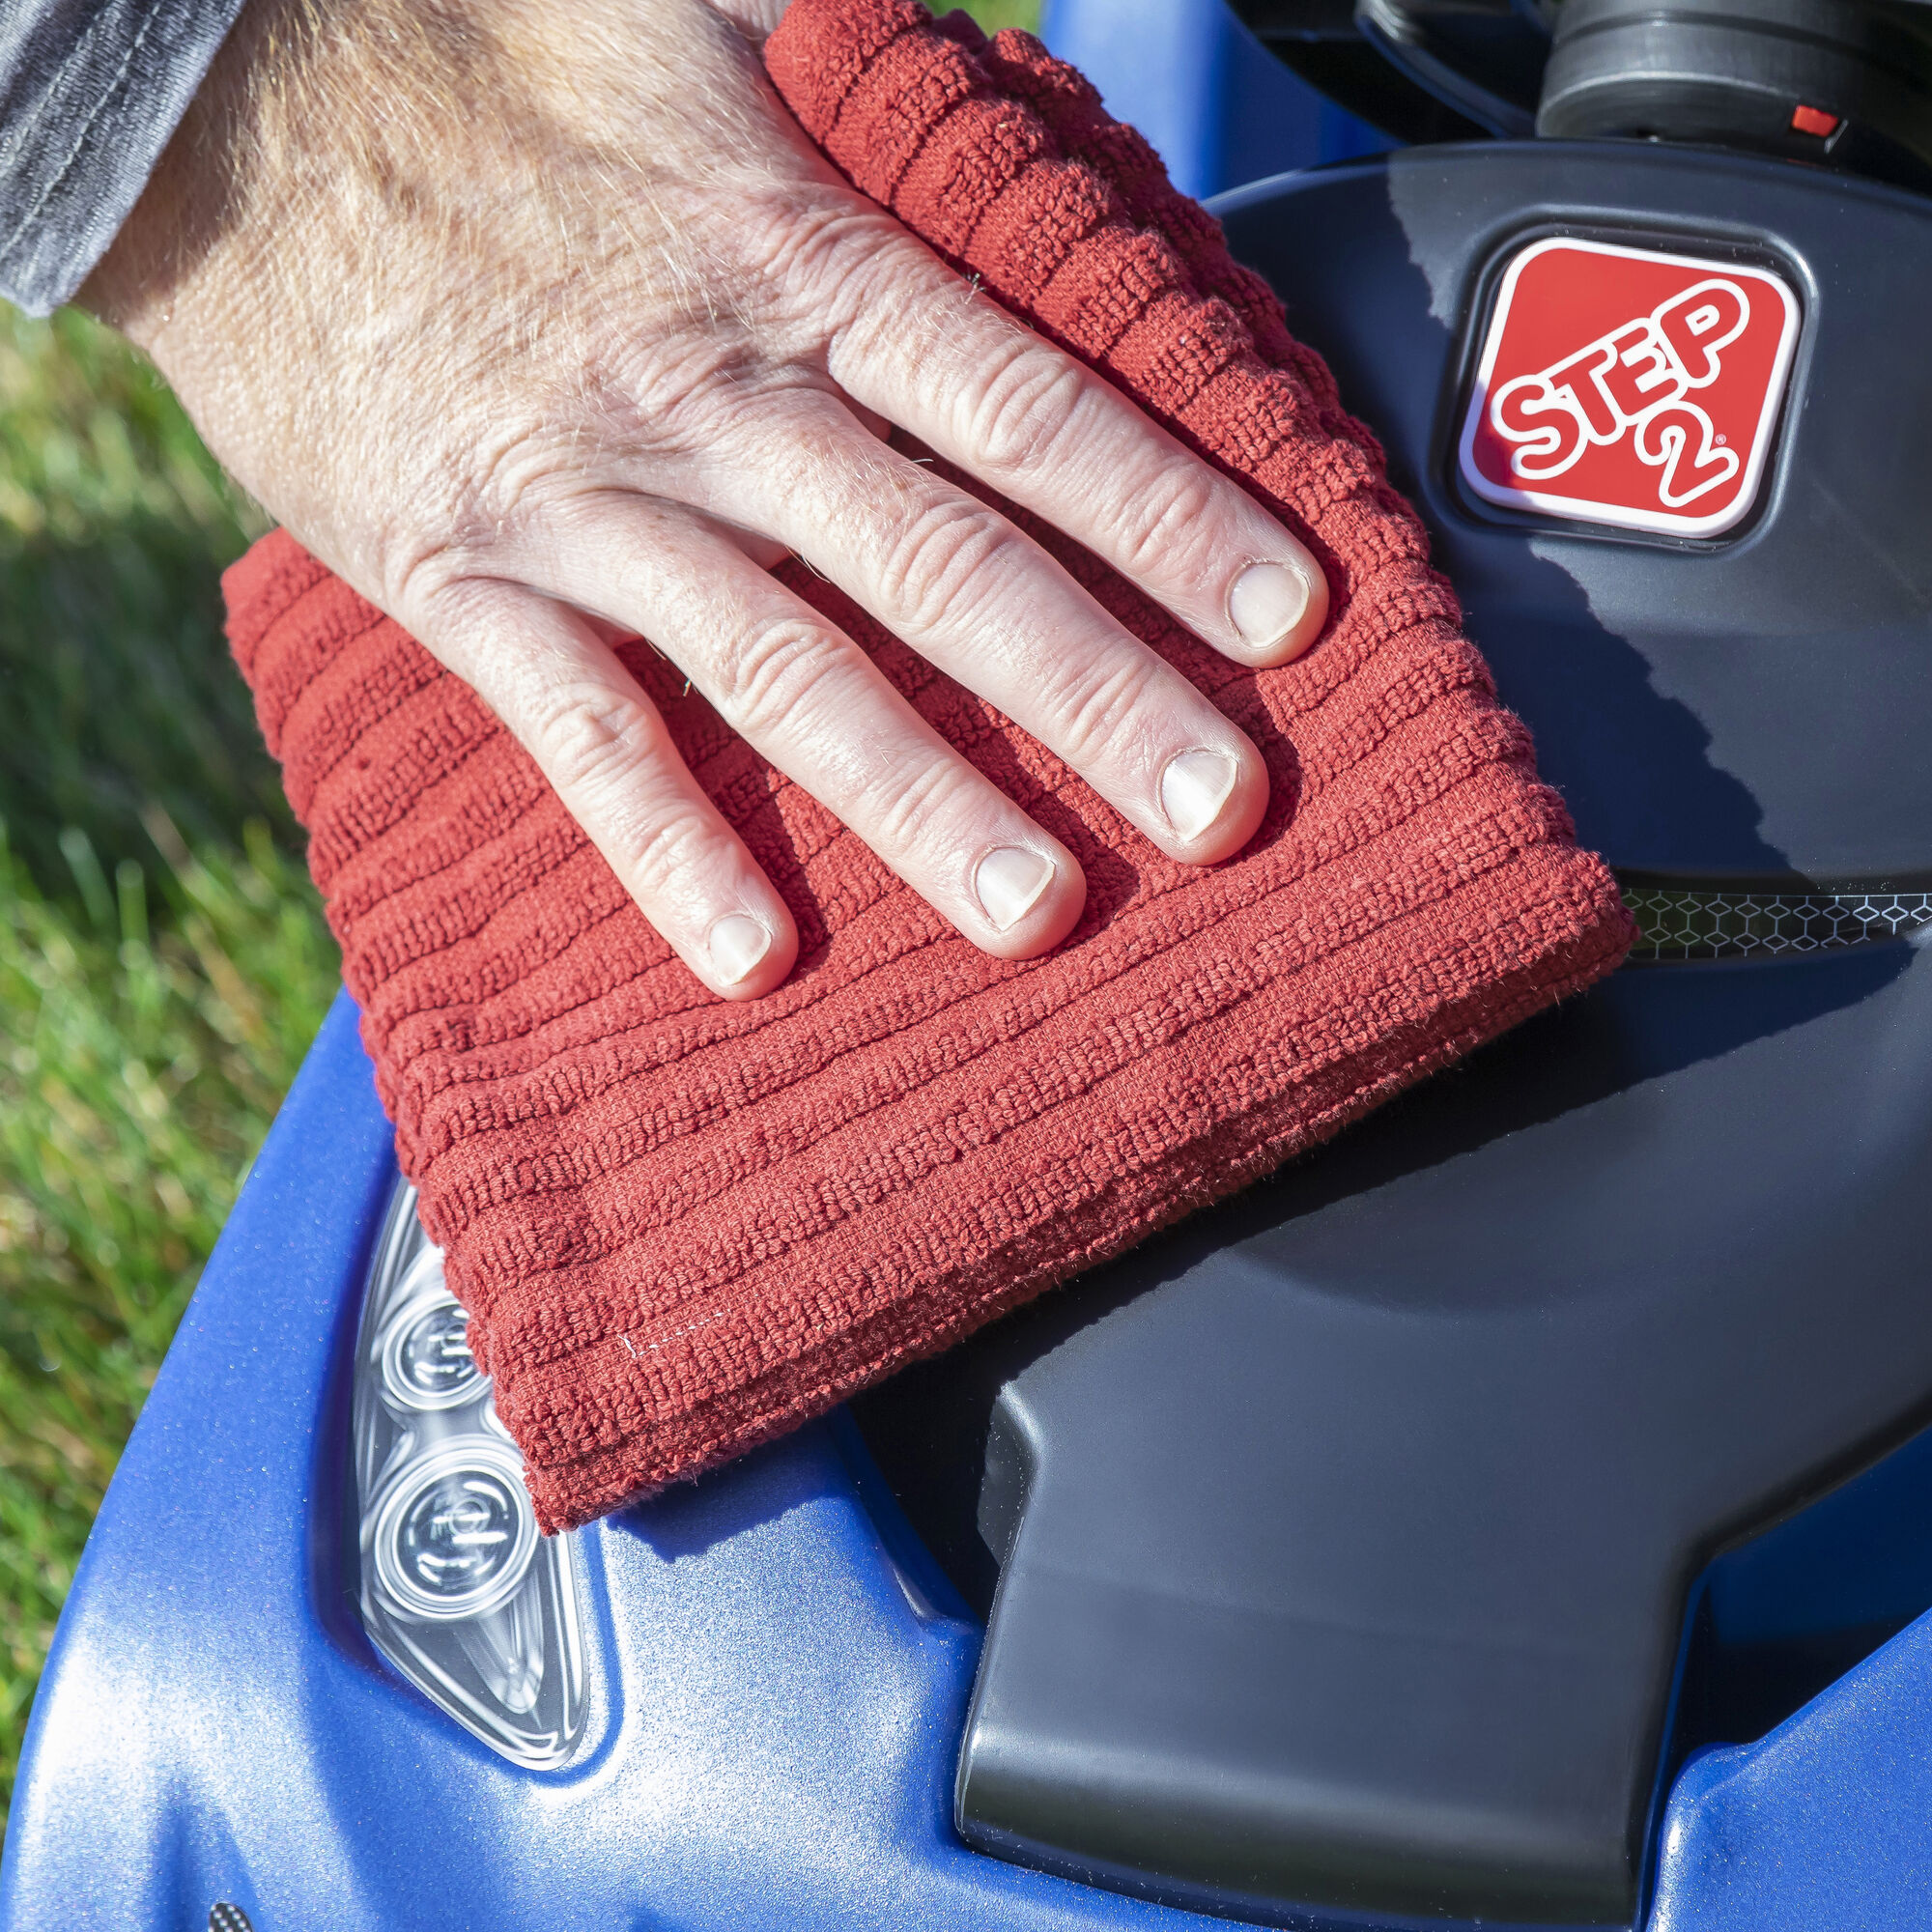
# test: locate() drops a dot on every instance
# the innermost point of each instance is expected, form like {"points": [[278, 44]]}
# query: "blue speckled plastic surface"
{"points": [[780, 1712], [1827, 1823], [782, 1702]]}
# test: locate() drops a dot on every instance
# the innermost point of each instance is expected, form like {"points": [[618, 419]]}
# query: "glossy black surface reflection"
{"points": [[1337, 1547]]}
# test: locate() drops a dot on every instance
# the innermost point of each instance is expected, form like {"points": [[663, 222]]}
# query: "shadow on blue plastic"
{"points": [[1812, 1642], [1788, 1613], [1217, 106], [1825, 1822]]}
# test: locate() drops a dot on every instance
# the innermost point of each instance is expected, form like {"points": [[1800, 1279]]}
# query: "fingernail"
{"points": [[1193, 789], [1267, 601], [738, 942], [1010, 882]]}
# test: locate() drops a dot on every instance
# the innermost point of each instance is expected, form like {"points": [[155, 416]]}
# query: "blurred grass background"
{"points": [[163, 958], [163, 961], [993, 14]]}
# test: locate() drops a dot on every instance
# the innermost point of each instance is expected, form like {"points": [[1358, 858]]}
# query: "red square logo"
{"points": [[1623, 387]]}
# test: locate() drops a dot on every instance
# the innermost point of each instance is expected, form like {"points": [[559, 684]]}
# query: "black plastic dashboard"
{"points": [[1338, 1546]]}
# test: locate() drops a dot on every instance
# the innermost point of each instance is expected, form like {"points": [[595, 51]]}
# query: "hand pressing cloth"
{"points": [[682, 1226]]}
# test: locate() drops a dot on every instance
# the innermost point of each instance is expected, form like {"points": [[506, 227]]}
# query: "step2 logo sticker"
{"points": [[1623, 387]]}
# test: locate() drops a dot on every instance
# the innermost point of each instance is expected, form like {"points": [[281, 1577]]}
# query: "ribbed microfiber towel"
{"points": [[681, 1226]]}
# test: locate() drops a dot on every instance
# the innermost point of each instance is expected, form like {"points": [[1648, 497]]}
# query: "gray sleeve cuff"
{"points": [[90, 91]]}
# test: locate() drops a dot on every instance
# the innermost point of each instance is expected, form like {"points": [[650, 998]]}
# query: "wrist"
{"points": [[194, 201]]}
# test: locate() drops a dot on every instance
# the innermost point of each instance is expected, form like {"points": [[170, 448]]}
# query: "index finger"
{"points": [[1045, 430]]}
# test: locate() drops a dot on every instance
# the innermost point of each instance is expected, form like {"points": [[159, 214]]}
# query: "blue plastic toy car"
{"points": [[1518, 1513]]}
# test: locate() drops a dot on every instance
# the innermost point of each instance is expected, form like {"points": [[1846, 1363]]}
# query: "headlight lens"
{"points": [[426, 1359], [453, 1536], [458, 1590]]}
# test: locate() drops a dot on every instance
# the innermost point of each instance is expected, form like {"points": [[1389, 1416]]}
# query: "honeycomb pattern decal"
{"points": [[1679, 925]]}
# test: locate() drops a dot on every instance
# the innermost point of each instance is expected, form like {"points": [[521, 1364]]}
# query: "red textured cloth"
{"points": [[682, 1226]]}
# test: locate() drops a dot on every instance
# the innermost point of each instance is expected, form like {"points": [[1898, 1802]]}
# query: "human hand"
{"points": [[544, 326]]}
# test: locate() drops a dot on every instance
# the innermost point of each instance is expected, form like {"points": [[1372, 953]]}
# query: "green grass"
{"points": [[145, 1040], [163, 958], [114, 526], [163, 961], [993, 14]]}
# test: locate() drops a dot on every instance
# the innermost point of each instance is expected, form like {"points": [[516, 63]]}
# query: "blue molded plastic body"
{"points": [[1218, 107], [783, 1702], [780, 1714]]}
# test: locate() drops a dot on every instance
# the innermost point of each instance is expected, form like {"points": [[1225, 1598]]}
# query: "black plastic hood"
{"points": [[1343, 1538]]}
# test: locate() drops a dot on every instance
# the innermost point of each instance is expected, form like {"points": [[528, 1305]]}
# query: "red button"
{"points": [[1814, 120]]}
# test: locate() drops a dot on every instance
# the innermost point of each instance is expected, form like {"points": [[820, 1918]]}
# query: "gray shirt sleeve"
{"points": [[90, 91]]}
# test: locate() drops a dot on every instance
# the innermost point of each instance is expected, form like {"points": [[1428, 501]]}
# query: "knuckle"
{"points": [[920, 806], [424, 577], [776, 673], [1022, 408], [826, 255], [1100, 715], [681, 394], [599, 745], [674, 847], [1171, 522], [586, 735], [946, 558], [492, 484], [472, 508], [508, 479]]}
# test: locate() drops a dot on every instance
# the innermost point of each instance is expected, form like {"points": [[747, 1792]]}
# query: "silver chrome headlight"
{"points": [[458, 1590]]}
